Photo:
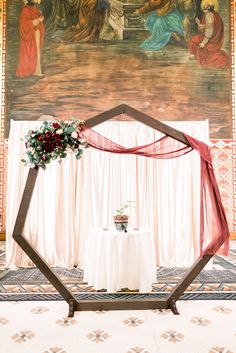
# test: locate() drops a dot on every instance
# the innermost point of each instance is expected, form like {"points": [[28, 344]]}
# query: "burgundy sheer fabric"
{"points": [[214, 232]]}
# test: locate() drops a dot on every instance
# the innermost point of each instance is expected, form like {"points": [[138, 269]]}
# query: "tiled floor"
{"points": [[43, 327]]}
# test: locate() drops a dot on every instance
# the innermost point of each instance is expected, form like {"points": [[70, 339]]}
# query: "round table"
{"points": [[116, 260]]}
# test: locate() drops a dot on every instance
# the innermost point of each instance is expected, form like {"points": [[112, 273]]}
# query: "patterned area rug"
{"points": [[219, 282], [43, 327]]}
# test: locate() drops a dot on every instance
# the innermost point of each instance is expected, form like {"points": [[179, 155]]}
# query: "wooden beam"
{"points": [[102, 117], [188, 278], [42, 265], [122, 304], [25, 201], [139, 116]]}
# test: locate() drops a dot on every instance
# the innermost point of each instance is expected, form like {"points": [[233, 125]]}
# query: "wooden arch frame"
{"points": [[121, 304]]}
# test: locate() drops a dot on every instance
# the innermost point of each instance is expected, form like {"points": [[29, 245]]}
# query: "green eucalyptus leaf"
{"points": [[69, 129]]}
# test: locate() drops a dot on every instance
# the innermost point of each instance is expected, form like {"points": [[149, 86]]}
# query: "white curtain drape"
{"points": [[72, 198]]}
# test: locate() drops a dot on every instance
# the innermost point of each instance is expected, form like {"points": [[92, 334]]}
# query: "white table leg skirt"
{"points": [[116, 260]]}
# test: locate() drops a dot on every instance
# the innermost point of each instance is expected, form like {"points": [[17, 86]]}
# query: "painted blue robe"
{"points": [[161, 29]]}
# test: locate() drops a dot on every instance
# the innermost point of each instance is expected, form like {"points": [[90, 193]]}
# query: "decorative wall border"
{"points": [[3, 65], [222, 160], [2, 111], [233, 47], [3, 149]]}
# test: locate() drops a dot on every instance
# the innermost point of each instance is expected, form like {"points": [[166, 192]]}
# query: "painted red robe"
{"points": [[211, 56], [28, 50]]}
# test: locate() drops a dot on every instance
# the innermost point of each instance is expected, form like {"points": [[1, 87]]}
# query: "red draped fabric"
{"points": [[214, 232]]}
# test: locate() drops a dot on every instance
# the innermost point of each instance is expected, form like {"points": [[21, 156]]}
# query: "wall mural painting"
{"points": [[76, 58]]}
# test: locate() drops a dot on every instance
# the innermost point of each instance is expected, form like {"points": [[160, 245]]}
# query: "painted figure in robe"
{"points": [[90, 22], [31, 28], [61, 13], [206, 45], [165, 21]]}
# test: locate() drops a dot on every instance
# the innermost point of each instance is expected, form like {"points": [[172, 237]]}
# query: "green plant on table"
{"points": [[128, 204]]}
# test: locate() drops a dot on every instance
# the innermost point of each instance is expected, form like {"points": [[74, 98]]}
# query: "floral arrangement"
{"points": [[54, 139]]}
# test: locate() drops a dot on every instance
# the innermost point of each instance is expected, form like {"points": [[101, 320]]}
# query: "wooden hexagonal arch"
{"points": [[120, 304]]}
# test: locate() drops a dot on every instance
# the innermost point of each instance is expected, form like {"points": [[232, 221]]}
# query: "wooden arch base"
{"points": [[121, 304]]}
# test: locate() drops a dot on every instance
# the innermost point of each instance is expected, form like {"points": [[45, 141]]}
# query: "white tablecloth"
{"points": [[116, 260]]}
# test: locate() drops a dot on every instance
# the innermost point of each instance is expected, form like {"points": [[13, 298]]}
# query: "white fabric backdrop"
{"points": [[71, 199]]}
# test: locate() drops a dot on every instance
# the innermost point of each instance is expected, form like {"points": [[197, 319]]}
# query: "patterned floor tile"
{"points": [[172, 336], [137, 350], [98, 336], [23, 336], [200, 321], [219, 350], [222, 309], [55, 350], [65, 321], [3, 321], [198, 329], [133, 322]]}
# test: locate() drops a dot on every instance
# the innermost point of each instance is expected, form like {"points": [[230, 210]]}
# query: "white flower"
{"points": [[31, 165], [32, 150], [74, 134], [59, 132], [68, 149]]}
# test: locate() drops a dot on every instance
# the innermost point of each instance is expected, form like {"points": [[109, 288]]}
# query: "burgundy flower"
{"points": [[48, 134], [48, 147], [40, 138], [52, 140]]}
